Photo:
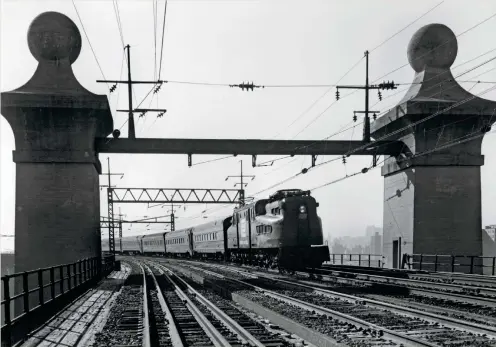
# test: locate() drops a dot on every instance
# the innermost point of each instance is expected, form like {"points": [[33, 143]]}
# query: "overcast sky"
{"points": [[268, 42]]}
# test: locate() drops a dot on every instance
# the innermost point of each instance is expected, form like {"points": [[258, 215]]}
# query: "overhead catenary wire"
{"points": [[162, 46], [89, 43], [118, 19], [457, 141], [155, 4]]}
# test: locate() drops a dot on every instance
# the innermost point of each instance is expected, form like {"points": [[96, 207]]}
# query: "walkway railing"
{"points": [[368, 260], [451, 263], [45, 292]]}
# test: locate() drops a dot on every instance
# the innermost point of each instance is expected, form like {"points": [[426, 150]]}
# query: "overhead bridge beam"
{"points": [[246, 147]]}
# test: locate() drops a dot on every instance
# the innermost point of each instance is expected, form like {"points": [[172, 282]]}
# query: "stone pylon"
{"points": [[55, 121], [432, 194]]}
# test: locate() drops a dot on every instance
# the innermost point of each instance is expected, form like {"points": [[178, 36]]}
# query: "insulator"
{"points": [[113, 88], [354, 118], [364, 170], [304, 171], [374, 116], [344, 160], [379, 95], [337, 94]]}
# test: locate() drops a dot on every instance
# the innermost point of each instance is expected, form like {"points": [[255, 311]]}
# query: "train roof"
{"points": [[155, 234]]}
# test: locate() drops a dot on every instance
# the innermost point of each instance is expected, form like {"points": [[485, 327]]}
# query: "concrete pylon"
{"points": [[55, 121], [432, 195]]}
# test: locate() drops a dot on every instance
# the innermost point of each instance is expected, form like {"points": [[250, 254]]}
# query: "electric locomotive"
{"points": [[282, 231]]}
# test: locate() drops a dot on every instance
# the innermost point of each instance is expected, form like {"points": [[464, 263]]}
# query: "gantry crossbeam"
{"points": [[163, 195], [246, 147]]}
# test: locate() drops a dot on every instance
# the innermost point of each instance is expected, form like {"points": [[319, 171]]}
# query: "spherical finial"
{"points": [[433, 45], [54, 36]]}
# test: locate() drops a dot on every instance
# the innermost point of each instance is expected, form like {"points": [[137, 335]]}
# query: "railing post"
{"points": [[52, 283], [61, 272], [80, 272], [435, 264], [452, 263], [6, 297], [494, 265], [471, 264], [85, 276], [369, 259], [40, 287], [75, 274], [421, 259], [333, 259], [68, 278], [25, 290], [98, 263], [342, 259], [359, 260]]}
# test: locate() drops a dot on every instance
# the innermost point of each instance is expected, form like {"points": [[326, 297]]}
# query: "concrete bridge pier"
{"points": [[432, 195], [55, 121]]}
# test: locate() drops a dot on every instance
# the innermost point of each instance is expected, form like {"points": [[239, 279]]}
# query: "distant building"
{"points": [[376, 244]]}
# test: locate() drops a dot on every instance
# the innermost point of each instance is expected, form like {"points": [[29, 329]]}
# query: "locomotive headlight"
{"points": [[303, 209]]}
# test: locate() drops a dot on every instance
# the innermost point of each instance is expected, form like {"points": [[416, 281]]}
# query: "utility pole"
{"points": [[131, 134], [130, 82], [111, 208], [367, 87], [242, 184], [172, 215]]}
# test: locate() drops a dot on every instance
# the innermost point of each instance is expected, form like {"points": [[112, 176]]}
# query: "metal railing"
{"points": [[53, 288], [367, 260], [450, 263]]}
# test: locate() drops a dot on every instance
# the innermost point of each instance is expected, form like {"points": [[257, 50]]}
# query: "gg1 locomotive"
{"points": [[283, 231]]}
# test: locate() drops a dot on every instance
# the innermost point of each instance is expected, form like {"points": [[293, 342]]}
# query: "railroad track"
{"points": [[400, 324], [230, 326]]}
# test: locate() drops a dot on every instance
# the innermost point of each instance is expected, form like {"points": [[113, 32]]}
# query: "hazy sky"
{"points": [[268, 42]]}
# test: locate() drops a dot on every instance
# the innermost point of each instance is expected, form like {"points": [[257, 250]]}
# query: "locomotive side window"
{"points": [[268, 229]]}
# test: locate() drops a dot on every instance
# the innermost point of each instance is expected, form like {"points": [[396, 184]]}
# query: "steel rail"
{"points": [[146, 318], [389, 334], [215, 336], [219, 314], [174, 334], [411, 282]]}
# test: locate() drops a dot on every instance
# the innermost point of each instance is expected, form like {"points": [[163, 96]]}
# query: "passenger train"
{"points": [[283, 231]]}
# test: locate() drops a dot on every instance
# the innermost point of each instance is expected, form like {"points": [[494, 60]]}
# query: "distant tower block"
{"points": [[432, 196], [55, 122]]}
